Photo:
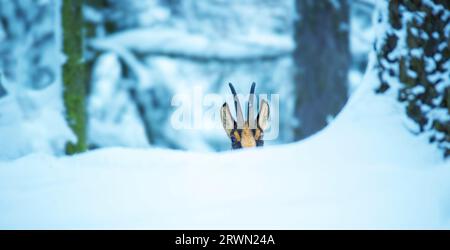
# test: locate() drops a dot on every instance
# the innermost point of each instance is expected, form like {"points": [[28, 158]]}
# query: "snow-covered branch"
{"points": [[182, 44], [368, 4], [129, 58]]}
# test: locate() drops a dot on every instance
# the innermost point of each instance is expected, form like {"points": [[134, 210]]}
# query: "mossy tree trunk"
{"points": [[322, 60], [74, 73]]}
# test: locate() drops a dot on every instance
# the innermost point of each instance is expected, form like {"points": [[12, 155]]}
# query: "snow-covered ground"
{"points": [[365, 170]]}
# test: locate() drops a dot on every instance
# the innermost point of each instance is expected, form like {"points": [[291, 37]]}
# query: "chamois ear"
{"points": [[263, 115], [227, 120]]}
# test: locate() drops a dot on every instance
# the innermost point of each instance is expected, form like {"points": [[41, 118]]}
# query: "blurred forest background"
{"points": [[123, 61]]}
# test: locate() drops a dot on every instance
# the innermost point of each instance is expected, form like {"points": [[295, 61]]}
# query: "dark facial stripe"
{"points": [[236, 135]]}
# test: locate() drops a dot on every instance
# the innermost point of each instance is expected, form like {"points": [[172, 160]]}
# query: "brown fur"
{"points": [[247, 140]]}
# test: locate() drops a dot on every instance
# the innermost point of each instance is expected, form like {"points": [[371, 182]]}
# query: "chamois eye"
{"points": [[235, 144]]}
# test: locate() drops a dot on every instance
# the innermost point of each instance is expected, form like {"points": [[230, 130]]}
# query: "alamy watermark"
{"points": [[196, 110]]}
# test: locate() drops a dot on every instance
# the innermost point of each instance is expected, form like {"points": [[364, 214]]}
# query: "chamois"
{"points": [[245, 134]]}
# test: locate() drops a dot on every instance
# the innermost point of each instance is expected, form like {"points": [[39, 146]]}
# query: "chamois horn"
{"points": [[251, 110], [237, 105]]}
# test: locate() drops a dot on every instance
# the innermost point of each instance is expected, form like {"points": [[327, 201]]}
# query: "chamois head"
{"points": [[245, 134]]}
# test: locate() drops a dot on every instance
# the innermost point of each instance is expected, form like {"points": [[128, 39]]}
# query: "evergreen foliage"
{"points": [[415, 52]]}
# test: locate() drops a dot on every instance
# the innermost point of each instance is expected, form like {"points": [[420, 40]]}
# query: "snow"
{"points": [[32, 118], [365, 170], [25, 118], [110, 110], [361, 40]]}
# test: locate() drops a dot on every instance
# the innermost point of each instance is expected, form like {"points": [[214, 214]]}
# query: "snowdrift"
{"points": [[365, 170]]}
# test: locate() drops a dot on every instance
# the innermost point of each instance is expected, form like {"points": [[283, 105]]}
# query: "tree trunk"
{"points": [[322, 60], [74, 73], [2, 89]]}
